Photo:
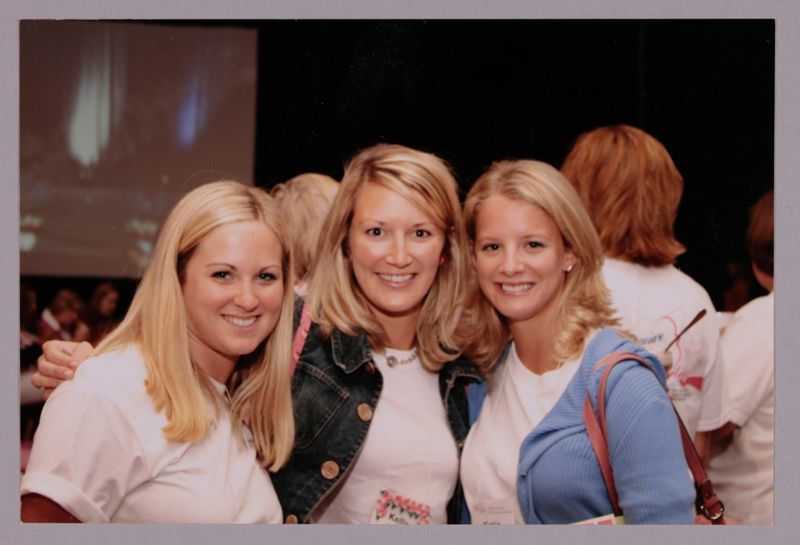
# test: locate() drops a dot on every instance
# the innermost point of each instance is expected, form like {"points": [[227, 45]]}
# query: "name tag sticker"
{"points": [[605, 520], [393, 508], [493, 512]]}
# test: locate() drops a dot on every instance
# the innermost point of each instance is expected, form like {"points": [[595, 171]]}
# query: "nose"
{"points": [[398, 253], [511, 264], [245, 296]]}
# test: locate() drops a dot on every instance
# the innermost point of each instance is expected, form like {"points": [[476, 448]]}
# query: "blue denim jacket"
{"points": [[335, 389]]}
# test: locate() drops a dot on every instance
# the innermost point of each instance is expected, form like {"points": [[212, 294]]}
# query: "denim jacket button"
{"points": [[330, 470], [364, 412], [291, 519]]}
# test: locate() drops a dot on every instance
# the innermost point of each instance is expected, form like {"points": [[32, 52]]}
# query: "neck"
{"points": [[401, 330], [213, 364], [534, 341]]}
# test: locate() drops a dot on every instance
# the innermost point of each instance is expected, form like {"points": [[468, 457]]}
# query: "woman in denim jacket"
{"points": [[379, 388]]}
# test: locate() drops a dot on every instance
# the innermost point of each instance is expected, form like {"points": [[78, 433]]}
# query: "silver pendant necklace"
{"points": [[392, 361]]}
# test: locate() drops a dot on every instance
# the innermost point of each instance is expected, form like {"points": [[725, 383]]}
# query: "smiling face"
{"points": [[394, 248], [232, 291], [520, 260]]}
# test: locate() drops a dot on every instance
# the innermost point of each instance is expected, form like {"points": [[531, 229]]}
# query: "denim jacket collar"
{"points": [[350, 352]]}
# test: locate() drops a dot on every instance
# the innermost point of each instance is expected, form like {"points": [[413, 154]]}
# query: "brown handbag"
{"points": [[709, 507]]}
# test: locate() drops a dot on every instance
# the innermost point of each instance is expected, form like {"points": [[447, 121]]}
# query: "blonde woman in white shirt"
{"points": [[151, 428]]}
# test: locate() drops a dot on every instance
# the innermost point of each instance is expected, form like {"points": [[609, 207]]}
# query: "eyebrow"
{"points": [[223, 264], [383, 223]]}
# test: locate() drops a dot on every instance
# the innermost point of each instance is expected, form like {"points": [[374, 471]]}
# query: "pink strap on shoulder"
{"points": [[300, 336]]}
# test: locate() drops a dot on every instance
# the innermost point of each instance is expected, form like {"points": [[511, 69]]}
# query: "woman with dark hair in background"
{"points": [[742, 451], [97, 320]]}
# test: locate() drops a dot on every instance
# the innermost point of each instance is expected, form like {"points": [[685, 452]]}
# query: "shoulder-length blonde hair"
{"points": [[304, 201], [585, 303], [336, 300], [631, 188], [156, 323]]}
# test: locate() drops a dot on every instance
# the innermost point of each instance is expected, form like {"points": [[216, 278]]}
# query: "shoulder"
{"points": [[118, 376], [609, 341]]}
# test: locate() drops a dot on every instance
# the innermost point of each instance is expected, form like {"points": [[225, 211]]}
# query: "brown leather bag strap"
{"points": [[595, 425], [707, 501]]}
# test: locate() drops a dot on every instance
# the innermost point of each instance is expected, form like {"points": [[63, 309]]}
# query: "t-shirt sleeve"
{"points": [[85, 457], [748, 359]]}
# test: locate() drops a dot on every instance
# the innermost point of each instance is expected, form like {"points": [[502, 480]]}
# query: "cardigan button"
{"points": [[330, 470], [364, 412], [291, 519]]}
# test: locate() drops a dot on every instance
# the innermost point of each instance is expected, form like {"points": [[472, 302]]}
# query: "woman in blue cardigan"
{"points": [[543, 320]]}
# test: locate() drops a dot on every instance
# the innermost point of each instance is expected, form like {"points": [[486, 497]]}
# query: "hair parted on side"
{"points": [[760, 235], [304, 201], [585, 303], [156, 323], [631, 189], [335, 299]]}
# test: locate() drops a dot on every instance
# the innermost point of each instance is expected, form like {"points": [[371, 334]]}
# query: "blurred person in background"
{"points": [[305, 201], [631, 189], [742, 451], [60, 318], [97, 320]]}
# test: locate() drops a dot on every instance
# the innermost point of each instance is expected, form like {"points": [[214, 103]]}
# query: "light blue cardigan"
{"points": [[559, 479]]}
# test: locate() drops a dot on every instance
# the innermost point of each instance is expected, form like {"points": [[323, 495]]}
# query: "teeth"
{"points": [[396, 278], [516, 288], [241, 322]]}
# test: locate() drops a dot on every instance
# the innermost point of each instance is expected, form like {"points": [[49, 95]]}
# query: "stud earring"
{"points": [[568, 269], [441, 260]]}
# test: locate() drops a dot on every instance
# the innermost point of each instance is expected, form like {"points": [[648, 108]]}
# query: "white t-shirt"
{"points": [[518, 401], [99, 452], [655, 304], [743, 474], [409, 458]]}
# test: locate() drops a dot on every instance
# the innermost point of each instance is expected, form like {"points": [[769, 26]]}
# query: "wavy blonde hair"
{"points": [[304, 201], [585, 302], [156, 323], [632, 189], [335, 299]]}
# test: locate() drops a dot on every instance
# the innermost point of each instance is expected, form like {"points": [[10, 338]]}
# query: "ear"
{"points": [[570, 260]]}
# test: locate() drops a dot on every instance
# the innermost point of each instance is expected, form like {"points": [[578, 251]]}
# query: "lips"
{"points": [[513, 289], [396, 280], [240, 322]]}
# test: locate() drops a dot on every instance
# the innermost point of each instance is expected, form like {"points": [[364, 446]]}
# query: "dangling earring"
{"points": [[441, 260]]}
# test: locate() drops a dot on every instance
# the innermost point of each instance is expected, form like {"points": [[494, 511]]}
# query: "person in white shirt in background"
{"points": [[631, 188], [742, 454], [153, 427]]}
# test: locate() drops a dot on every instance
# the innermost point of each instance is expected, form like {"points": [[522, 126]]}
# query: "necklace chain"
{"points": [[392, 361]]}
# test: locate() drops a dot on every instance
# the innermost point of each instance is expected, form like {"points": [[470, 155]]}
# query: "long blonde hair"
{"points": [[585, 303], [336, 300], [156, 323]]}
